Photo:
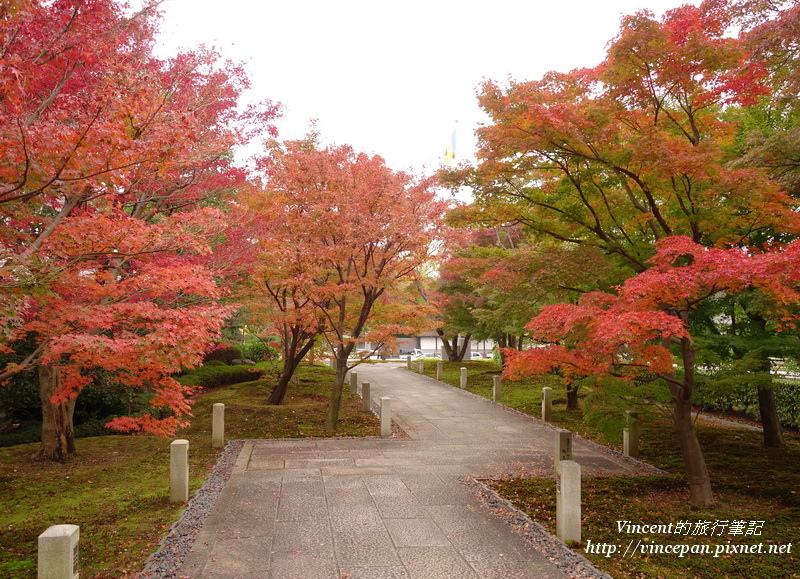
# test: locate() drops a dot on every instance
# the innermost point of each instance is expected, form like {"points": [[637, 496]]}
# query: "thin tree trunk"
{"points": [[291, 360], [464, 347], [700, 494], [58, 432], [454, 352], [448, 349], [279, 391], [335, 403]]}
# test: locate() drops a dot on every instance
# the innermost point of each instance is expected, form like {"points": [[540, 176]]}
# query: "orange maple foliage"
{"points": [[344, 239]]}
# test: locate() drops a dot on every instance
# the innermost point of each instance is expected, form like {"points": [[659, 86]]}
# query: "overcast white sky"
{"points": [[395, 78]]}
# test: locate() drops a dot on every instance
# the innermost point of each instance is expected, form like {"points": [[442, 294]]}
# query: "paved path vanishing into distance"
{"points": [[397, 507]]}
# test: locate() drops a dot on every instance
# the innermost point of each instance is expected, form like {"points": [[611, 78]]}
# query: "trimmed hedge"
{"points": [[743, 397], [214, 376], [226, 355]]}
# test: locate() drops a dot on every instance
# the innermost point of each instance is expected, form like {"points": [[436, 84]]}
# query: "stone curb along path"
{"points": [[391, 508]]}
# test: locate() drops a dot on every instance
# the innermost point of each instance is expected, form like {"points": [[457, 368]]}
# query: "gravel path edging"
{"points": [[573, 564], [167, 560]]}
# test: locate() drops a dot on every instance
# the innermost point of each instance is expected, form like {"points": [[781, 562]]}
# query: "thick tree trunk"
{"points": [[700, 493], [768, 411], [58, 433], [770, 422], [572, 397]]}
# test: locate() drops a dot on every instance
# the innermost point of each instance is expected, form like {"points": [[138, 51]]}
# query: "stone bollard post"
{"points": [[58, 552], [218, 425], [547, 403], [179, 471], [630, 436], [568, 502], [439, 369], [421, 368], [365, 399], [386, 417], [463, 377], [354, 382], [496, 387], [563, 448], [408, 362]]}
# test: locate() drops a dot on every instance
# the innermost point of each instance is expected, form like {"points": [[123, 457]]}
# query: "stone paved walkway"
{"points": [[384, 508]]}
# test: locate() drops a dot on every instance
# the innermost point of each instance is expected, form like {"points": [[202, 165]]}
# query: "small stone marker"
{"points": [[439, 369], [58, 552], [421, 366], [563, 448], [568, 501], [386, 417], [354, 382], [463, 377], [547, 403], [630, 436], [179, 471], [365, 399], [218, 425], [497, 381], [408, 362]]}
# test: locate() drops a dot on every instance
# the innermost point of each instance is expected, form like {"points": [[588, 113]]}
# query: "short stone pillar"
{"points": [[421, 367], [179, 471], [439, 369], [386, 417], [630, 435], [547, 403], [408, 362], [497, 381], [58, 552], [218, 425], [563, 448], [365, 399], [568, 502], [463, 377], [354, 382]]}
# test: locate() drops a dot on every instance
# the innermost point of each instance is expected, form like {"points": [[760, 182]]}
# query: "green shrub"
{"points": [[226, 355], [259, 351], [215, 376], [28, 432]]}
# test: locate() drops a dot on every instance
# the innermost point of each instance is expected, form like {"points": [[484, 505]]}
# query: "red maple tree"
{"points": [[107, 157]]}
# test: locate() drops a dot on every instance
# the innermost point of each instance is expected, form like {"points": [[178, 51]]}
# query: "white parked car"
{"points": [[476, 356]]}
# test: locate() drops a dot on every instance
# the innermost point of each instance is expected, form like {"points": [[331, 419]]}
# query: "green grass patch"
{"points": [[117, 488], [751, 483]]}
